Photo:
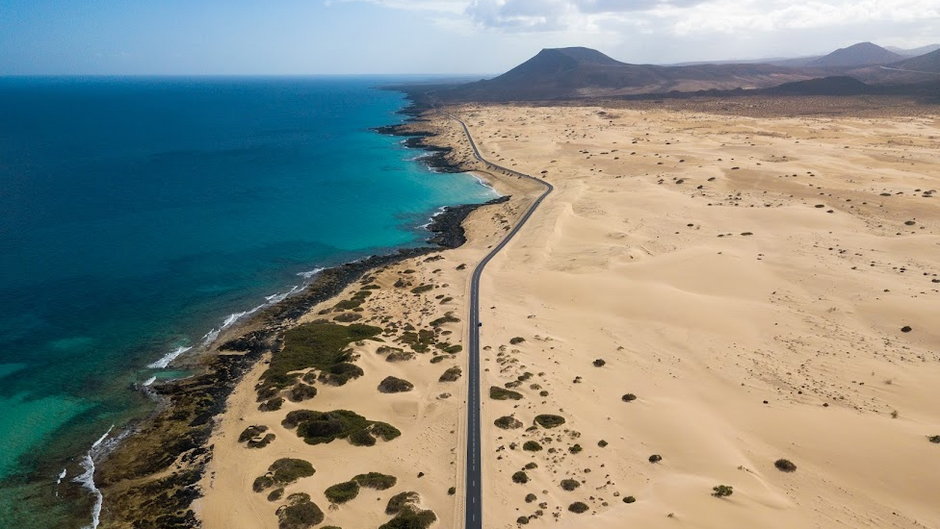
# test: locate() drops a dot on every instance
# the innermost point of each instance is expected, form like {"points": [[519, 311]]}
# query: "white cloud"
{"points": [[676, 30]]}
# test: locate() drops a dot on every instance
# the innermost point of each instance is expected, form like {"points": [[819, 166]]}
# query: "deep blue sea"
{"points": [[139, 214]]}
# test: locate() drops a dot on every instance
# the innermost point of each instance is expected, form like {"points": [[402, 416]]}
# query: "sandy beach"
{"points": [[720, 290]]}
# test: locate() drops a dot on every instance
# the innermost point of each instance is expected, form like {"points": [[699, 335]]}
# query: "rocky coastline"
{"points": [[150, 479]]}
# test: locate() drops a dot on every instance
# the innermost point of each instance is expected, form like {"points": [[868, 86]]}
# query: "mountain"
{"points": [[914, 52], [856, 56], [567, 73], [924, 63]]}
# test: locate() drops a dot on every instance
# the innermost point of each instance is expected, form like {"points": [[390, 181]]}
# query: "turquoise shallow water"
{"points": [[136, 215]]}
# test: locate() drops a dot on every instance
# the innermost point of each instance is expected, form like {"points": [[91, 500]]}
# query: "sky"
{"points": [[476, 37]]}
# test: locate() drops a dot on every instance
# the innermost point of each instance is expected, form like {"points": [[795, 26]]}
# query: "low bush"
{"points": [[629, 499], [520, 477], [629, 397], [600, 362], [508, 422], [655, 458], [529, 498], [578, 507], [446, 318], [251, 432], [722, 491], [549, 421], [312, 345], [317, 427], [276, 494], [498, 393], [422, 289], [570, 484], [785, 465], [301, 392], [575, 448], [402, 500], [517, 340], [299, 513], [271, 405], [531, 446], [451, 374], [342, 492], [411, 517], [395, 385], [376, 480], [934, 439]]}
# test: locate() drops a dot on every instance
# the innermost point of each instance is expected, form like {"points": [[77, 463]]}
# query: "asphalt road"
{"points": [[474, 484]]}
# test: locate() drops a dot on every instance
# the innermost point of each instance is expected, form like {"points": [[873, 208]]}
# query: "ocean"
{"points": [[139, 215]]}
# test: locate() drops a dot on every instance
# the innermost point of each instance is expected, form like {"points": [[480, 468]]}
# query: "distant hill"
{"points": [[566, 73], [856, 56], [924, 63], [826, 86], [914, 52]]}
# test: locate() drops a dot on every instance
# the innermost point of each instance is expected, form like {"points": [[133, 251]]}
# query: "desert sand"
{"points": [[747, 279]]}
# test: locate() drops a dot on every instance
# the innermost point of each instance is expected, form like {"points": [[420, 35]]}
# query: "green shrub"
{"points": [[376, 480], [402, 500], [508, 422], [452, 374], [655, 458], [520, 477], [570, 484], [629, 499], [600, 362], [629, 397], [276, 494], [451, 491], [262, 482], [252, 432], [385, 431], [342, 492], [289, 470], [529, 498], [934, 439], [785, 465], [317, 427], [299, 513], [721, 491], [549, 421], [340, 373], [301, 392], [498, 393], [348, 317], [517, 340], [531, 446], [421, 289], [272, 405], [575, 448], [410, 517], [446, 318], [361, 438], [312, 345], [578, 507], [394, 385]]}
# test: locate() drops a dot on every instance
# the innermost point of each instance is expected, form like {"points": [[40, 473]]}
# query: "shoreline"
{"points": [[181, 425]]}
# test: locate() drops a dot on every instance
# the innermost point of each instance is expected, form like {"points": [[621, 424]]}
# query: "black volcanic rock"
{"points": [[856, 56]]}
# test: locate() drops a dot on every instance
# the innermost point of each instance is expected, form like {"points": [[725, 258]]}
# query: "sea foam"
{"points": [[87, 478]]}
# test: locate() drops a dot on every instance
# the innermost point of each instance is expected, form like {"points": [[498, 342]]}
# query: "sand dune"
{"points": [[747, 279]]}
